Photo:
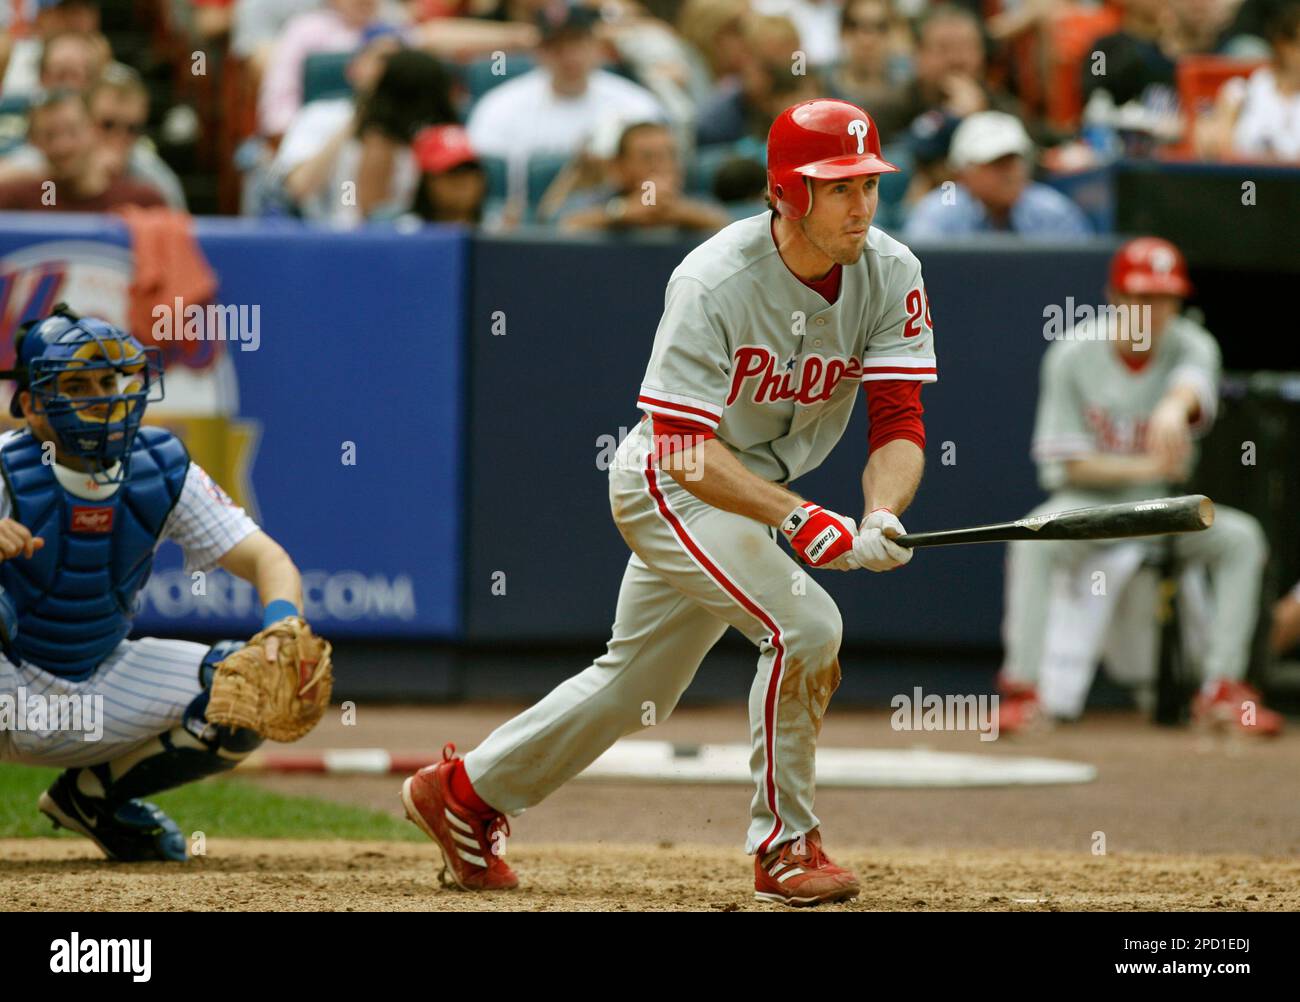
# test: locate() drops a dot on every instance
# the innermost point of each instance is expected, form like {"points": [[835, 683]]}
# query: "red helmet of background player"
{"points": [[823, 139], [1149, 266]]}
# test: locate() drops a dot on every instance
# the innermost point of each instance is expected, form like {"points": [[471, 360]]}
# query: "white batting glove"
{"points": [[874, 549], [848, 560]]}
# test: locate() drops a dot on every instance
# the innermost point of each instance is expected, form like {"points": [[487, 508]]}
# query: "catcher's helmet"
{"points": [[98, 428], [822, 138], [1149, 266]]}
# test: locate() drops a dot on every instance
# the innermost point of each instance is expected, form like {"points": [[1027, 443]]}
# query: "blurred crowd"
{"points": [[622, 115]]}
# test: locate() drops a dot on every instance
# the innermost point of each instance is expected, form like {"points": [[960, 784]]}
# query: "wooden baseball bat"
{"points": [[1155, 517]]}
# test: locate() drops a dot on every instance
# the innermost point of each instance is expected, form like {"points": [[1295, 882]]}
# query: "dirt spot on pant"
{"points": [[811, 687]]}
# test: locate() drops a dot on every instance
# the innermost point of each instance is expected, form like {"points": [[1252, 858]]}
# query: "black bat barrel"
{"points": [[1152, 517]]}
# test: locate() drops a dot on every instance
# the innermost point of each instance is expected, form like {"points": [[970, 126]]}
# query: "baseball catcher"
{"points": [[88, 495]]}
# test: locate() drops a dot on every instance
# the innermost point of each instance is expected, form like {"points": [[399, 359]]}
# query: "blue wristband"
{"points": [[278, 610]]}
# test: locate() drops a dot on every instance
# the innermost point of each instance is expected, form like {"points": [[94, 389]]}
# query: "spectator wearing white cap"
{"points": [[992, 156]]}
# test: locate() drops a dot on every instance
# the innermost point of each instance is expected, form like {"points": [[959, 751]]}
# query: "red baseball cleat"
{"points": [[1018, 709], [1235, 704], [471, 845], [809, 879]]}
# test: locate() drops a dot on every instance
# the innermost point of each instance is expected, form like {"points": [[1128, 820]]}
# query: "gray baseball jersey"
{"points": [[1057, 622], [747, 349], [1089, 401]]}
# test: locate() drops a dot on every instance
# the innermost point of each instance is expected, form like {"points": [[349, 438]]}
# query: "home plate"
{"points": [[663, 762]]}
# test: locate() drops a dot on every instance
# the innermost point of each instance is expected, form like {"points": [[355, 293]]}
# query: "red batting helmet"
{"points": [[1149, 266], [822, 138]]}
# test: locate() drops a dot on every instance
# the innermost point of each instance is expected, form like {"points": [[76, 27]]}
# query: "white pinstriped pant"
{"points": [[145, 686], [694, 571]]}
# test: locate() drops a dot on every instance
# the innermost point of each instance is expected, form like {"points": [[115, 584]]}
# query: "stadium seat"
{"points": [[496, 176], [893, 186], [324, 74], [1199, 80], [479, 78], [1071, 36], [15, 104], [542, 170], [13, 123], [704, 165]]}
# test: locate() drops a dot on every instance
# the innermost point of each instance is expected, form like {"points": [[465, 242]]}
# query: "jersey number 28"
{"points": [[916, 299]]}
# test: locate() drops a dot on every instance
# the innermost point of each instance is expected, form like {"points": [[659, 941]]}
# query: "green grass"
{"points": [[220, 808]]}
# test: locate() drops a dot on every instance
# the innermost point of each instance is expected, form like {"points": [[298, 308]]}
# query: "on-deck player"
{"points": [[768, 330], [88, 495], [1119, 407]]}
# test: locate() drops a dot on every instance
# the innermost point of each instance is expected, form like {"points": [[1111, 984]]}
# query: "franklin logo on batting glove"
{"points": [[821, 537]]}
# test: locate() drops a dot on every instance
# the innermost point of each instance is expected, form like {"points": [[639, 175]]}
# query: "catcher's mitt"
{"points": [[281, 697]]}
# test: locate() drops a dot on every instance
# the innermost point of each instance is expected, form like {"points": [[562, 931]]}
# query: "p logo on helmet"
{"points": [[824, 139], [1148, 266]]}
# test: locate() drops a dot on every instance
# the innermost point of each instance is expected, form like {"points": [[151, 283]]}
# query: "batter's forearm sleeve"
{"points": [[894, 411]]}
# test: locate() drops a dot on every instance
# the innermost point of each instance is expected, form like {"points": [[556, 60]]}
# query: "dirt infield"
{"points": [[50, 874], [1157, 791], [1189, 822]]}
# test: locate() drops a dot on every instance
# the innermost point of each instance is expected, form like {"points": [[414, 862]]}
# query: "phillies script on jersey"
{"points": [[806, 380]]}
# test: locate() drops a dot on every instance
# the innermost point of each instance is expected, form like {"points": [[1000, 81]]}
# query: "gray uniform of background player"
{"points": [[731, 306], [1065, 602]]}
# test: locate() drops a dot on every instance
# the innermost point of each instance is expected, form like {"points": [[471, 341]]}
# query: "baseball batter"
{"points": [[1121, 401], [769, 328], [88, 495]]}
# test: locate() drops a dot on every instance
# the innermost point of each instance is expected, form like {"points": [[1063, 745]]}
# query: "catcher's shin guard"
{"points": [[190, 751]]}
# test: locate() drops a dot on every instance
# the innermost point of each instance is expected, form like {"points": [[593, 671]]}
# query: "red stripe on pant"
{"points": [[774, 683]]}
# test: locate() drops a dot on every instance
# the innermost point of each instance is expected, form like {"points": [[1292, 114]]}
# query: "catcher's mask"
{"points": [[99, 428]]}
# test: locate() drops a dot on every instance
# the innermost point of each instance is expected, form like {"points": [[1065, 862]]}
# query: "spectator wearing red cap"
{"points": [[453, 184]]}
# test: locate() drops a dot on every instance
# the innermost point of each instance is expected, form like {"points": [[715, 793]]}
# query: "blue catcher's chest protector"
{"points": [[76, 595]]}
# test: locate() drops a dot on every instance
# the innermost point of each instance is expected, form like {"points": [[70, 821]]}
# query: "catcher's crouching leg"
{"points": [[192, 750], [107, 795]]}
